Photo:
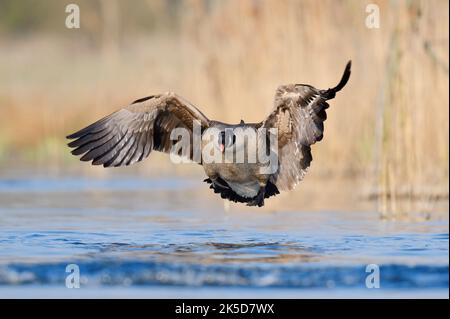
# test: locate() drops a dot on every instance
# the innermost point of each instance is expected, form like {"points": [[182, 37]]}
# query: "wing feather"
{"points": [[130, 134], [299, 113]]}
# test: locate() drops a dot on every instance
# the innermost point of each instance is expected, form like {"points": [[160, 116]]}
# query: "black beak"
{"points": [[222, 141], [222, 138]]}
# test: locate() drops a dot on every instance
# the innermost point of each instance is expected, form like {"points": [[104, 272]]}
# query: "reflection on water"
{"points": [[136, 232]]}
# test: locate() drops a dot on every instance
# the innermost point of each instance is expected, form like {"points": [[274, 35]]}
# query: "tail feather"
{"points": [[331, 93]]}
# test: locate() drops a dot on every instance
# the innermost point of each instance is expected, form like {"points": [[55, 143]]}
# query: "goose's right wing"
{"points": [[130, 134]]}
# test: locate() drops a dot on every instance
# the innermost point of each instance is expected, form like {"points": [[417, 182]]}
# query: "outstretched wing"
{"points": [[299, 114], [130, 134]]}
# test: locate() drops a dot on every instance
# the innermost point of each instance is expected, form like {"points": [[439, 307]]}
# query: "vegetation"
{"points": [[388, 129]]}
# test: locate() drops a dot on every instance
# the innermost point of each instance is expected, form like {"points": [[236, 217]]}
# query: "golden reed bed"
{"points": [[388, 132]]}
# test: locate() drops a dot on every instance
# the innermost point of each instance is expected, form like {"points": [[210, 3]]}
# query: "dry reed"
{"points": [[389, 126]]}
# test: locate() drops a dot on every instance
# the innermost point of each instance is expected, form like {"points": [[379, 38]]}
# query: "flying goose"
{"points": [[129, 135]]}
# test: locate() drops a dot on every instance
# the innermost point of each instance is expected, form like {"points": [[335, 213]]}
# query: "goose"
{"points": [[295, 123]]}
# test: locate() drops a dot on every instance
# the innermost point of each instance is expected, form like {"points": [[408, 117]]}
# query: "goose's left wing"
{"points": [[298, 114]]}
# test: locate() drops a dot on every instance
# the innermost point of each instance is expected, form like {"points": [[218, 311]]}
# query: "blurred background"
{"points": [[386, 145]]}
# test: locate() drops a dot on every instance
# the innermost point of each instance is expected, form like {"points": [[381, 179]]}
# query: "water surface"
{"points": [[162, 237]]}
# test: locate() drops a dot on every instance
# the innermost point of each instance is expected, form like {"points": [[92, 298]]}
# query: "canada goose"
{"points": [[130, 134]]}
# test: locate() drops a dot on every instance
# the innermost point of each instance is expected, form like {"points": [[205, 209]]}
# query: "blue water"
{"points": [[167, 237]]}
